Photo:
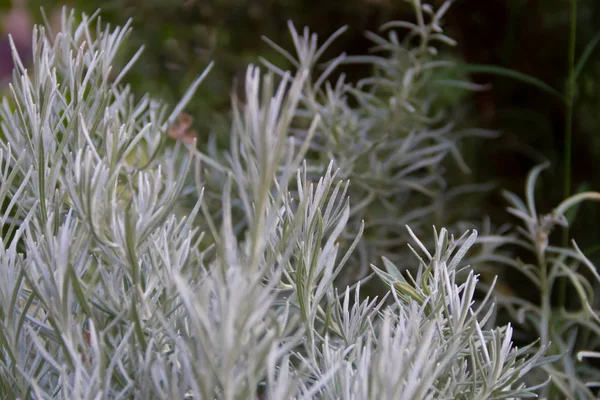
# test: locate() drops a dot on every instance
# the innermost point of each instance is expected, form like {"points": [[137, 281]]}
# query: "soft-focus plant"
{"points": [[391, 133], [570, 326], [109, 290]]}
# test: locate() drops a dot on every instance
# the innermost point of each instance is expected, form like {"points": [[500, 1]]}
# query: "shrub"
{"points": [[109, 289]]}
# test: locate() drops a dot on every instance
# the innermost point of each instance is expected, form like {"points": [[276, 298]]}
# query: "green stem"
{"points": [[570, 99]]}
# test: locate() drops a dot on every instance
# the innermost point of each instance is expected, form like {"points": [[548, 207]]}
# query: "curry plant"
{"points": [[110, 290], [393, 133], [570, 329]]}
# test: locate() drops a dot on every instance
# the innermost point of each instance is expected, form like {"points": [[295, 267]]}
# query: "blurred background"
{"points": [[526, 36]]}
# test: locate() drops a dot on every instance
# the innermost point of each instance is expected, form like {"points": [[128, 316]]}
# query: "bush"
{"points": [[110, 288]]}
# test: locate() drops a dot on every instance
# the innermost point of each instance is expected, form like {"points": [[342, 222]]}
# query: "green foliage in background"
{"points": [[182, 37]]}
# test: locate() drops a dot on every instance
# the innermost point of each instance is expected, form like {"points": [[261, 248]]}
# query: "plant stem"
{"points": [[545, 293], [545, 305], [570, 99]]}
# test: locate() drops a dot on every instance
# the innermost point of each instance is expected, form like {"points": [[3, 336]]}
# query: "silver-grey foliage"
{"points": [[109, 290], [389, 133], [569, 334]]}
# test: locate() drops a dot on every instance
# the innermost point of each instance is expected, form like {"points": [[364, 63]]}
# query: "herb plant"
{"points": [[112, 287]]}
